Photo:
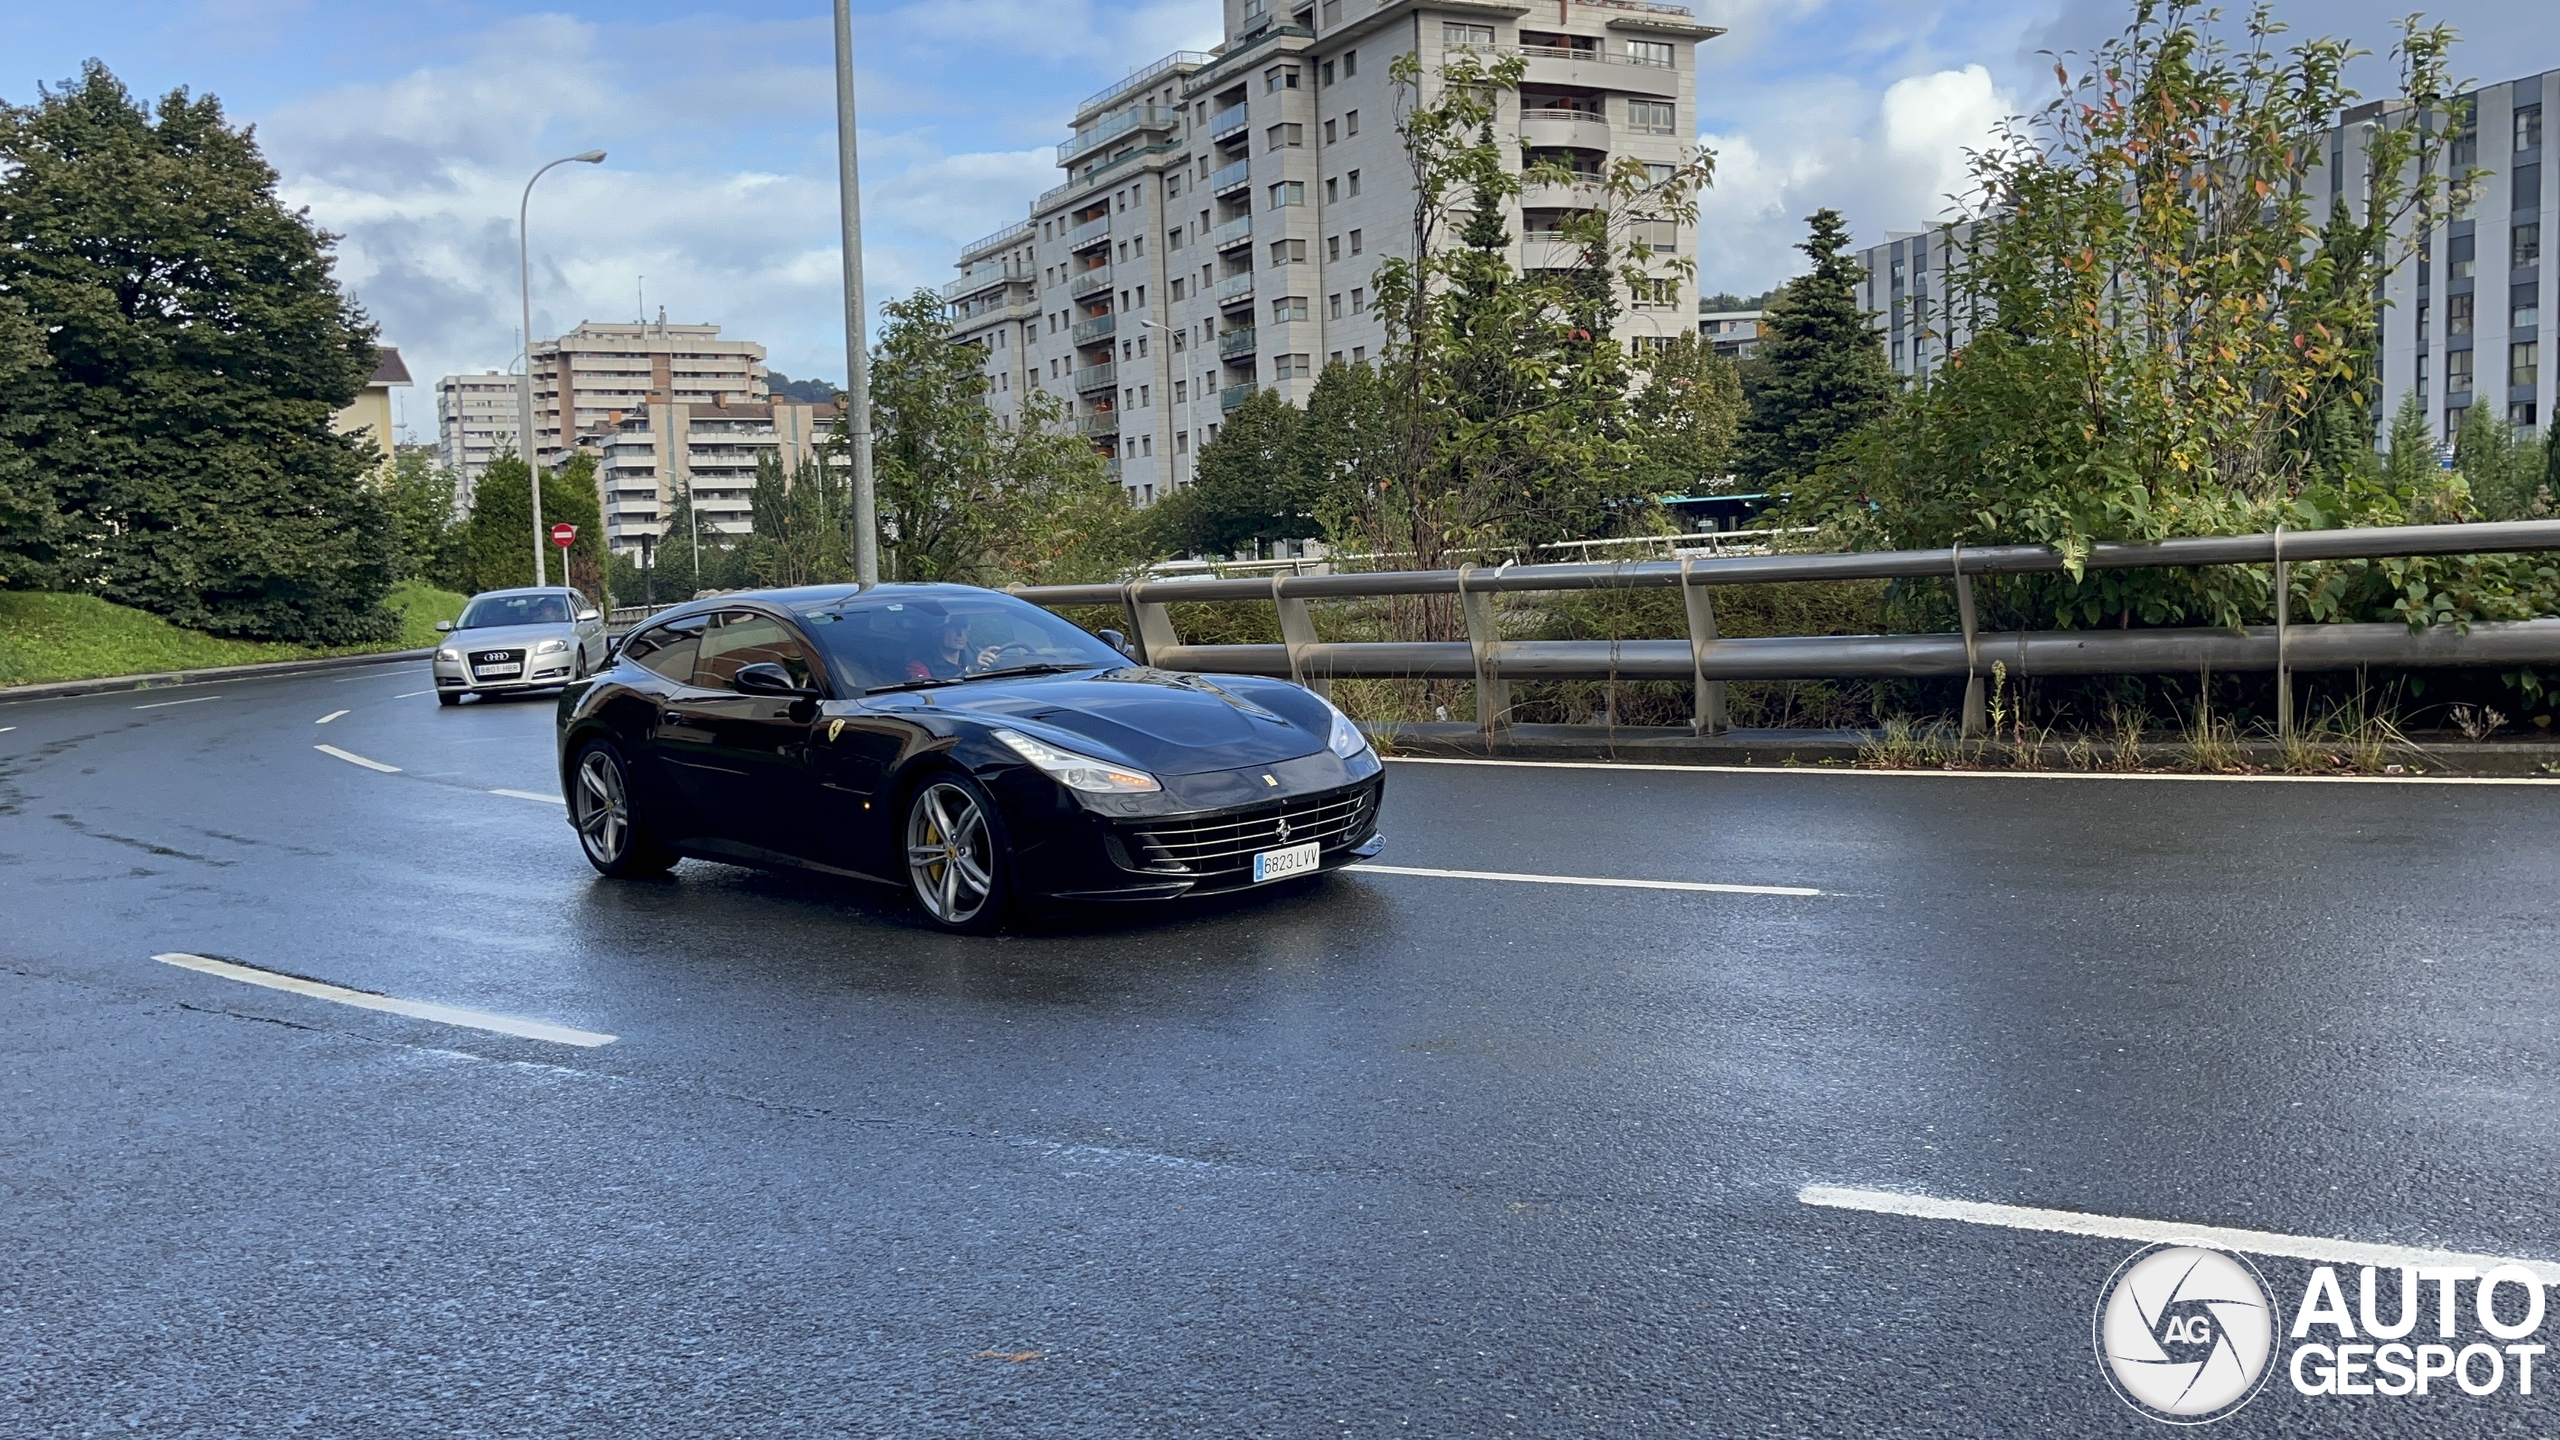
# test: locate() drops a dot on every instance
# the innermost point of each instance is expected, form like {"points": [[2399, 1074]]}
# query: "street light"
{"points": [[524, 387], [857, 357]]}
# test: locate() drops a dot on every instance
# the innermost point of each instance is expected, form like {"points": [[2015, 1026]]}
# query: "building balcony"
{"points": [[971, 314], [1136, 78], [1019, 231], [1597, 70], [1097, 278], [1238, 231], [1234, 290], [1095, 330], [1091, 378], [1227, 179], [1546, 252], [1111, 127], [1236, 342], [1226, 122], [1234, 395], [1099, 424], [1584, 195], [992, 276], [1569, 129], [1089, 234]]}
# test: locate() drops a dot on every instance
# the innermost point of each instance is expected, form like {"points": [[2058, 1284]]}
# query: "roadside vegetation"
{"points": [[46, 637]]}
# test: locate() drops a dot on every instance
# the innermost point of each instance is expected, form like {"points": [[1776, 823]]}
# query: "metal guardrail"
{"points": [[1707, 661]]}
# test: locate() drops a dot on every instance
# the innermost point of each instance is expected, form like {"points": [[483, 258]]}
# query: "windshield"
{"points": [[872, 643], [491, 611]]}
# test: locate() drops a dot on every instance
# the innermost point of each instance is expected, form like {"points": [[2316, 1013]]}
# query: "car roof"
{"points": [[529, 590], [807, 599]]}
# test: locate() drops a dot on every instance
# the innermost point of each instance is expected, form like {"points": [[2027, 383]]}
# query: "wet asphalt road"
{"points": [[1391, 1155]]}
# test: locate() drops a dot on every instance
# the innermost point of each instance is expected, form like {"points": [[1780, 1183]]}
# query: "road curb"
{"points": [[109, 684], [1840, 748]]}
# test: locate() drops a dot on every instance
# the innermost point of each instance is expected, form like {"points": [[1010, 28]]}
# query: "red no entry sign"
{"points": [[564, 535]]}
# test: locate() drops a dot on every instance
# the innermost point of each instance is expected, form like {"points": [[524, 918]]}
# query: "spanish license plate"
{"points": [[1281, 864], [497, 672]]}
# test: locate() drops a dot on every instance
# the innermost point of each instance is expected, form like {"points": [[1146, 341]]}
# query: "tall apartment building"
{"points": [[597, 370], [648, 455], [475, 424], [2463, 322], [1224, 212]]}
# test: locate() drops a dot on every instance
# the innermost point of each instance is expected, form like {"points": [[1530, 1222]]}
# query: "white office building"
{"points": [[475, 424], [1224, 212]]}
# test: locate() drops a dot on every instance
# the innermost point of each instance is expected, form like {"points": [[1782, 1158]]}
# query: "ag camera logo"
{"points": [[2184, 1333]]}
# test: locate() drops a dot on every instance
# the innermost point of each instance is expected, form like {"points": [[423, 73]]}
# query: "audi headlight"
{"points": [[552, 647], [1347, 740], [1078, 772], [448, 653]]}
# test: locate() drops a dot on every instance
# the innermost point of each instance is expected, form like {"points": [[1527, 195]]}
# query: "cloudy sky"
{"points": [[408, 129]]}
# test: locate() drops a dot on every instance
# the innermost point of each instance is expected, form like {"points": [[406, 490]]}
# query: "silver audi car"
{"points": [[528, 639]]}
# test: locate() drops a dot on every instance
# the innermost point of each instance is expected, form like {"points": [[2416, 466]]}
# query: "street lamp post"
{"points": [[524, 386], [857, 359]]}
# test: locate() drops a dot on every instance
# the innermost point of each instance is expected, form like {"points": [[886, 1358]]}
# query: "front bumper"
{"points": [[546, 672], [1163, 848]]}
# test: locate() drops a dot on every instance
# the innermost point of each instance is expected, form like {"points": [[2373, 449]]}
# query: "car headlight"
{"points": [[448, 653], [1347, 740], [551, 647], [1078, 772]]}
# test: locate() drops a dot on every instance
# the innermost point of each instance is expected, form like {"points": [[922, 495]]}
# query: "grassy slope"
{"points": [[74, 637]]}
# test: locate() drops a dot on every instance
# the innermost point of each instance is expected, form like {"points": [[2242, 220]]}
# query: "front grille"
{"points": [[480, 658], [1229, 842]]}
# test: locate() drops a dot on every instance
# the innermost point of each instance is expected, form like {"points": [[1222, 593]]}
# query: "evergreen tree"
{"points": [[1247, 489], [198, 349], [419, 494], [1685, 418], [1820, 376], [33, 529], [498, 540]]}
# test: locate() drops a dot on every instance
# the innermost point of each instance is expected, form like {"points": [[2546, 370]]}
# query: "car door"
{"points": [[590, 631], [748, 753], [661, 672]]}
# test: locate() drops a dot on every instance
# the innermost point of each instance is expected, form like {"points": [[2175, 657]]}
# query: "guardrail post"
{"points": [[1149, 624], [1708, 717], [1974, 722], [2284, 671], [1484, 637], [1298, 631]]}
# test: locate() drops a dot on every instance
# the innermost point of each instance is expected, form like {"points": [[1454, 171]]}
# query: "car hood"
{"points": [[507, 637], [1163, 722]]}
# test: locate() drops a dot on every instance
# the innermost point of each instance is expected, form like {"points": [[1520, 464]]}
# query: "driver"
{"points": [[948, 658]]}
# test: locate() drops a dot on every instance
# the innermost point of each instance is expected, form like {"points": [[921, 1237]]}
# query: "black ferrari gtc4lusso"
{"points": [[969, 745]]}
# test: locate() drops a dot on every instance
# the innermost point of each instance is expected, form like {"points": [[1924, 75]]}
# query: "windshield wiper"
{"points": [[1010, 672]]}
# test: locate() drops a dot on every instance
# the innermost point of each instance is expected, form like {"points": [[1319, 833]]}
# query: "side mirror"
{"points": [[767, 678], [1118, 641], [586, 615], [444, 627]]}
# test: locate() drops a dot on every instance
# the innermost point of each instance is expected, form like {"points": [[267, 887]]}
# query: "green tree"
{"points": [[498, 540], [803, 518], [199, 347], [1820, 376], [1248, 488], [683, 569], [2504, 470], [34, 531], [963, 495], [419, 494], [1685, 417]]}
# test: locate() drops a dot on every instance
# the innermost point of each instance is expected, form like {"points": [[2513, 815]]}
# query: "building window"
{"points": [[2528, 127], [1180, 337], [1278, 78], [1142, 340], [1288, 192], [1177, 292], [1355, 242], [1181, 395], [1354, 180], [1652, 117], [2457, 371], [1288, 252], [1333, 306], [2524, 363], [1142, 304], [1290, 367], [1284, 137], [1181, 443], [2522, 416], [1332, 192], [1359, 354], [1351, 122], [2524, 246], [2457, 314], [1649, 52], [1324, 75], [1145, 402], [1454, 35], [1147, 448], [1288, 308], [2423, 306], [2458, 258], [1333, 247], [1350, 63], [1333, 359], [1329, 136], [2524, 307], [1359, 300]]}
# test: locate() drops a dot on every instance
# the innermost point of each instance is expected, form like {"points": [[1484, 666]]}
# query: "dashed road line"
{"points": [[1971, 774], [531, 795], [413, 694], [369, 1000], [1606, 883], [165, 704], [355, 759], [332, 715], [2316, 1248]]}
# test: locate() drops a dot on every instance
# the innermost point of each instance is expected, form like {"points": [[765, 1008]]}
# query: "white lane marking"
{"points": [[332, 715], [2318, 1249], [1698, 885], [5, 729], [354, 759], [1975, 774], [412, 695], [165, 704], [530, 795], [367, 1000]]}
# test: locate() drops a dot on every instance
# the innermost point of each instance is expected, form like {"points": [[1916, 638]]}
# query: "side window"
{"points": [[667, 649], [739, 638]]}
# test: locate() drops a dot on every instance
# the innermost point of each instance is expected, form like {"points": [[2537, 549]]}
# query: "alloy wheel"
{"points": [[603, 809], [950, 853]]}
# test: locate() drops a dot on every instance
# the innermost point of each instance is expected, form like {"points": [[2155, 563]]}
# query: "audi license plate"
{"points": [[496, 672], [1281, 864]]}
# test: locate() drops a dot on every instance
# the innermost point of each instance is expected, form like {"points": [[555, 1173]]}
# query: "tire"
{"points": [[601, 809], [448, 697], [959, 867]]}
